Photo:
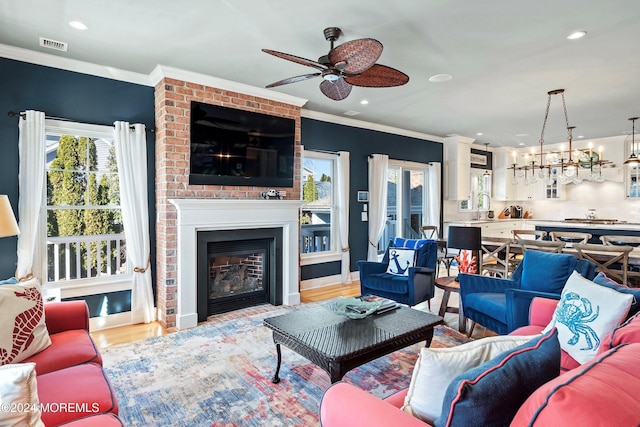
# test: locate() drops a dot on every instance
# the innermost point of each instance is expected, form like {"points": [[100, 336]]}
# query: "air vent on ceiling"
{"points": [[53, 44]]}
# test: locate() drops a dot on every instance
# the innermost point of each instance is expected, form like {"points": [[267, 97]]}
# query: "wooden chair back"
{"points": [[430, 232], [528, 234], [540, 245], [616, 240], [611, 260], [570, 236]]}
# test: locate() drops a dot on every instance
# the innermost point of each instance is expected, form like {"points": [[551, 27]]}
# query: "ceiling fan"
{"points": [[350, 64]]}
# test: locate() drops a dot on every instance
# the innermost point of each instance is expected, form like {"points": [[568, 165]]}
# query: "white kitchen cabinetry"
{"points": [[457, 167], [495, 228]]}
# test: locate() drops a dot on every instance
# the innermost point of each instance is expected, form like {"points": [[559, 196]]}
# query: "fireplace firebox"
{"points": [[237, 269]]}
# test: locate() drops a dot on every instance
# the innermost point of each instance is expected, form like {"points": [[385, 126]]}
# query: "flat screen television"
{"points": [[237, 147]]}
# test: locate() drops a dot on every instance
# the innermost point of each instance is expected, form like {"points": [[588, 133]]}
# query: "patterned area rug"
{"points": [[219, 374]]}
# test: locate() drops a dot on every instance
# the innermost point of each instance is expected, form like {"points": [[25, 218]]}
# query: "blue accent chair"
{"points": [[412, 289], [502, 305]]}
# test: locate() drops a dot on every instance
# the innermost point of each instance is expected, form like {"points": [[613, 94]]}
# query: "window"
{"points": [[480, 197], [317, 232], [407, 201], [83, 242]]}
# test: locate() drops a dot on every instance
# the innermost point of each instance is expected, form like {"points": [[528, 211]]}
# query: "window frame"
{"points": [[310, 258], [84, 286], [475, 192]]}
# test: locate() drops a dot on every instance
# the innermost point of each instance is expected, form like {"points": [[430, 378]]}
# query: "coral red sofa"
{"points": [[73, 389], [604, 391]]}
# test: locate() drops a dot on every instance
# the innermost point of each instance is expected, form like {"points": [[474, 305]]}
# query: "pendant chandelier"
{"points": [[633, 158], [545, 164]]}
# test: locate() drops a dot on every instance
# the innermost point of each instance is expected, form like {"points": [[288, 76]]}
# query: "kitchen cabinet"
{"points": [[457, 167], [495, 228]]}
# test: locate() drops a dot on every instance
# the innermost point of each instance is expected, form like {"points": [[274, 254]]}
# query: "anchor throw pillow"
{"points": [[586, 313], [400, 260], [23, 331]]}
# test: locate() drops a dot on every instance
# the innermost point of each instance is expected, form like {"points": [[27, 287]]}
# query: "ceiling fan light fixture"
{"points": [[331, 75]]}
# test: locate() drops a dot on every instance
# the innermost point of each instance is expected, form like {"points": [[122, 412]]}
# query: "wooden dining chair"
{"points": [[570, 237], [528, 234], [540, 245], [445, 256], [495, 257], [610, 260], [633, 275], [516, 257], [618, 240]]}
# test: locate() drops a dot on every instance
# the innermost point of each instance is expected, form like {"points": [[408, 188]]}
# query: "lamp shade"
{"points": [[469, 238], [8, 224]]}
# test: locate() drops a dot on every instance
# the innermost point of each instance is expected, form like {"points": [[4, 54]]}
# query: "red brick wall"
{"points": [[172, 106]]}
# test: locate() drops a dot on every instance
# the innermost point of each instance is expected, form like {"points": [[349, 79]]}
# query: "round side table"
{"points": [[448, 284]]}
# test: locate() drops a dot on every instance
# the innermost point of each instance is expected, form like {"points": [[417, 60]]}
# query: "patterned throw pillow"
{"points": [[490, 394], [23, 331], [400, 260], [586, 313], [437, 367], [19, 395]]}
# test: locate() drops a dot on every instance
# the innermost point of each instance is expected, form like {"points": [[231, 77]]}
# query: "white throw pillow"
{"points": [[437, 367], [400, 260], [585, 314], [23, 331], [19, 396]]}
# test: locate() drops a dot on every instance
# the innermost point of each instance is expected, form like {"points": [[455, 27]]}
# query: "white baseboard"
{"points": [[110, 321], [322, 282]]}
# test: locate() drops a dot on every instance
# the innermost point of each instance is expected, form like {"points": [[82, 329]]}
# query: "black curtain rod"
{"points": [[14, 114]]}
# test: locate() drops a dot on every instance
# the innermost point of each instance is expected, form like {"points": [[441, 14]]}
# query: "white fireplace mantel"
{"points": [[196, 215]]}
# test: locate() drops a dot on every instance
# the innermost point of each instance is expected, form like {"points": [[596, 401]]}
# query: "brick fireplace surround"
{"points": [[174, 91]]}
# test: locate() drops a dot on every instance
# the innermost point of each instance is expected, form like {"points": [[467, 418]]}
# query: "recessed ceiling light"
{"points": [[521, 144], [577, 35], [364, 102], [351, 113], [439, 78], [78, 25], [580, 136]]}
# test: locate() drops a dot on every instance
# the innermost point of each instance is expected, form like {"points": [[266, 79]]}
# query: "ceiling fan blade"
{"points": [[337, 90], [296, 59], [359, 55], [294, 79], [378, 76]]}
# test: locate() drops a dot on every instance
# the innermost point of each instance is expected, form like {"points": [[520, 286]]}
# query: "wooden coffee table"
{"points": [[338, 344]]}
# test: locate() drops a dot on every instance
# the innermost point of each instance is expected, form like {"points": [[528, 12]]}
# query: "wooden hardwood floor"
{"points": [[124, 334]]}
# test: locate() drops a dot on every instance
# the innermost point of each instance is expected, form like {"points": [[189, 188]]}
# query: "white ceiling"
{"points": [[504, 55]]}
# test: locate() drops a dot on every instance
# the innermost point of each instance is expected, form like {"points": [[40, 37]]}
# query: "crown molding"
{"points": [[316, 115], [163, 71], [54, 61]]}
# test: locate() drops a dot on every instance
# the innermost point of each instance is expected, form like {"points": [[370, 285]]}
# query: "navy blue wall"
{"points": [[360, 143], [90, 99], [73, 96]]}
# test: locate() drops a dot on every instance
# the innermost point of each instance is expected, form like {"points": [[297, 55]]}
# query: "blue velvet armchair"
{"points": [[502, 305], [416, 286]]}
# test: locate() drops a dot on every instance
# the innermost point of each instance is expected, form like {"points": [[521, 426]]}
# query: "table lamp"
{"points": [[468, 238], [8, 224]]}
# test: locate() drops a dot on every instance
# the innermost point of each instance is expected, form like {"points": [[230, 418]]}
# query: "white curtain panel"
{"points": [[131, 155], [342, 190], [434, 178], [378, 169], [31, 148]]}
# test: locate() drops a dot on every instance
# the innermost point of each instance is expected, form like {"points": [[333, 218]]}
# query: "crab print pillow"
{"points": [[23, 332], [585, 314]]}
